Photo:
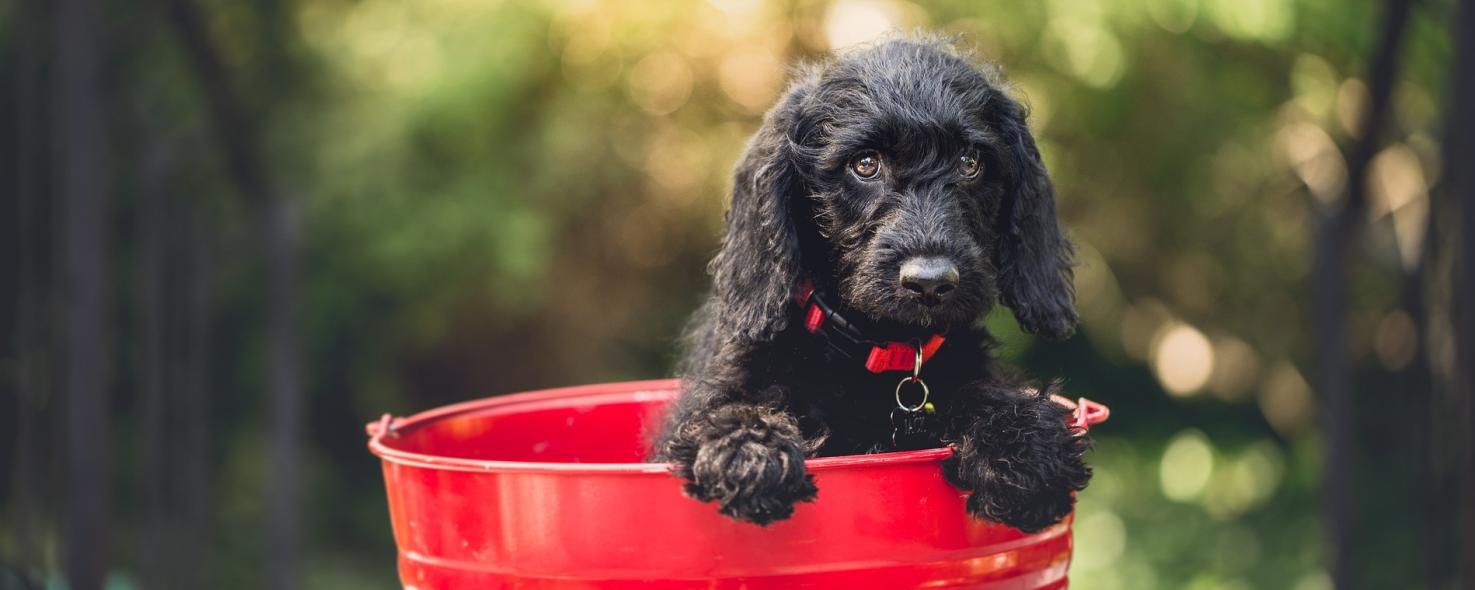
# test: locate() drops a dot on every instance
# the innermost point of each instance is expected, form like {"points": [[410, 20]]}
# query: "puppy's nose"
{"points": [[929, 278]]}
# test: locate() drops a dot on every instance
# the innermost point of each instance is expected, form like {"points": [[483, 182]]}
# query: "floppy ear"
{"points": [[1033, 256], [755, 273]]}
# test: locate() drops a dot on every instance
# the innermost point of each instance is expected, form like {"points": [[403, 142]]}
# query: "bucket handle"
{"points": [[1084, 412], [384, 427]]}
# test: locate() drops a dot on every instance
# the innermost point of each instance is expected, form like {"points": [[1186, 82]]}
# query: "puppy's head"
{"points": [[903, 179]]}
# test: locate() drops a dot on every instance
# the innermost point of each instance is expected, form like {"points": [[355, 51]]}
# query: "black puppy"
{"points": [[889, 199]]}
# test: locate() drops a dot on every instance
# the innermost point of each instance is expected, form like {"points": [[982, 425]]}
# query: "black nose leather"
{"points": [[930, 279]]}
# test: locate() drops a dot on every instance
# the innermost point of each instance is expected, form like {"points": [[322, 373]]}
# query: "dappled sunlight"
{"points": [[1314, 157], [660, 82], [1246, 482], [1351, 104], [751, 78], [590, 58], [1104, 533], [853, 22], [739, 8], [1182, 358], [1186, 466], [1253, 20], [1314, 82], [1174, 16], [1285, 400], [1396, 341], [676, 160], [1082, 44], [1398, 189], [1236, 369], [1314, 581]]}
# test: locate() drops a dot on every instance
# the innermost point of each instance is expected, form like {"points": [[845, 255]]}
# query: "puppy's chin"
{"points": [[896, 317], [919, 319]]}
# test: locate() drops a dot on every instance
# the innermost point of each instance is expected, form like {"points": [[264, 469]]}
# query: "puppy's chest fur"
{"points": [[837, 401]]}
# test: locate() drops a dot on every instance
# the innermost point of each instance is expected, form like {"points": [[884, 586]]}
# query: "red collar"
{"points": [[823, 321]]}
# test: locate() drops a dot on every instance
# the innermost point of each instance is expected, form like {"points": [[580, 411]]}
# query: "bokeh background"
{"points": [[236, 231]]}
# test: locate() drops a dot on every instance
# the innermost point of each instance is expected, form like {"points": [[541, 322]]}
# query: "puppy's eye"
{"points": [[866, 165], [969, 166]]}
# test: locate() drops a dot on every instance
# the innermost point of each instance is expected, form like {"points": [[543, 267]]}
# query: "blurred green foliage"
{"points": [[506, 195]]}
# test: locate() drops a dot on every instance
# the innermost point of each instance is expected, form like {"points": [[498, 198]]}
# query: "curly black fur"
{"points": [[1018, 452], [760, 393], [749, 459]]}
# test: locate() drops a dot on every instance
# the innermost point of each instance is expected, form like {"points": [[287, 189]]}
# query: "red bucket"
{"points": [[545, 490]]}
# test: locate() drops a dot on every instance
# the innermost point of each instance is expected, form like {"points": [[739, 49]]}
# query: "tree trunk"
{"points": [[149, 316], [283, 234], [196, 505], [1335, 232], [281, 231], [1459, 153], [83, 198], [1418, 383], [31, 292]]}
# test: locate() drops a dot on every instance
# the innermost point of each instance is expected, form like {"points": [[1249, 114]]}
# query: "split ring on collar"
{"points": [[915, 377]]}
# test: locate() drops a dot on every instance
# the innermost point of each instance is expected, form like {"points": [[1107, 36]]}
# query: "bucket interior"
{"points": [[592, 429]]}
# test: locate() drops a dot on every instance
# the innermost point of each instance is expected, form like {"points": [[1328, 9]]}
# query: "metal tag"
{"points": [[913, 430]]}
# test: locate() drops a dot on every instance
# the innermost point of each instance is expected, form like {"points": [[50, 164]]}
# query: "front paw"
{"points": [[1023, 466], [750, 460]]}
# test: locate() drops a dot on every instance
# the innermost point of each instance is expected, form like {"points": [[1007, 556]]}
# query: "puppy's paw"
{"points": [[747, 459], [750, 478], [1023, 463], [1029, 510]]}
